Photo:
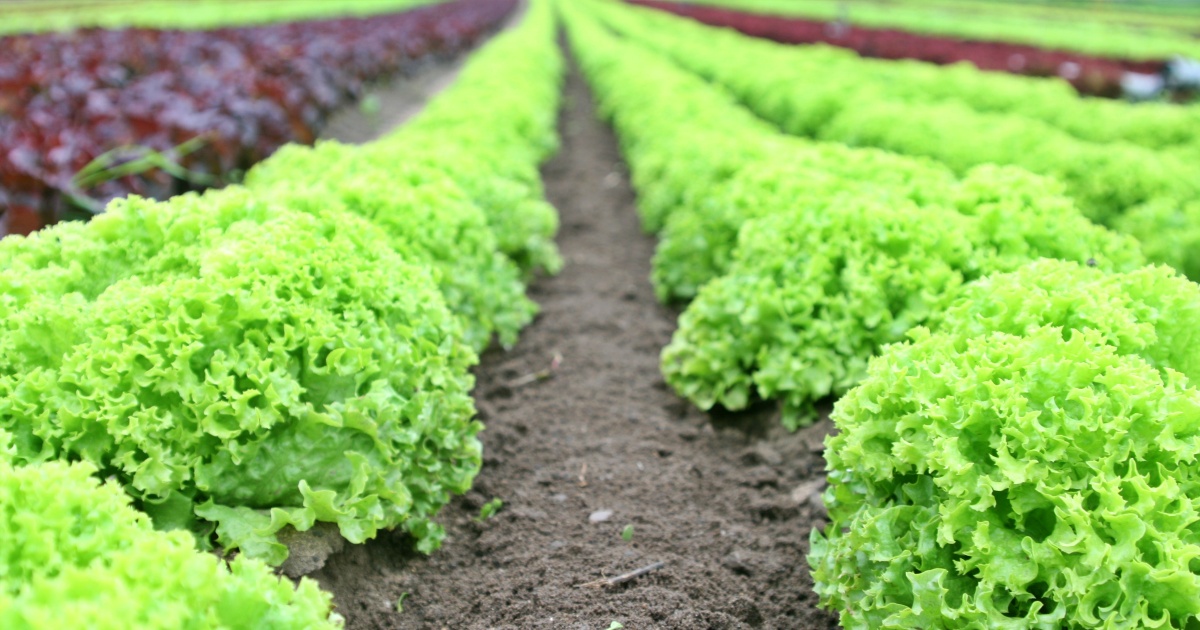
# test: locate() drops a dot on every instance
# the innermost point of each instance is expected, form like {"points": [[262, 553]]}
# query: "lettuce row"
{"points": [[836, 97], [1043, 479], [294, 350], [1031, 465], [76, 555], [1048, 100], [807, 258], [471, 157], [812, 294], [697, 242], [1143, 32], [698, 198], [423, 211], [236, 362], [667, 179], [491, 130], [487, 134]]}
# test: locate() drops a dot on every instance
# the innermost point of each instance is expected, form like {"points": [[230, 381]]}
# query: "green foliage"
{"points": [[490, 508], [287, 362], [1051, 101], [491, 129], [627, 533], [478, 143], [74, 554], [427, 217], [1024, 461], [697, 242], [1042, 480], [1106, 179], [806, 258], [665, 181], [485, 135], [1105, 153], [811, 295], [1151, 312], [1123, 30], [284, 353], [523, 223], [1169, 232], [61, 15], [1032, 464], [656, 112]]}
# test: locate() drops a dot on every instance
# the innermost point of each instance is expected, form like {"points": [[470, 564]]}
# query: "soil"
{"points": [[725, 502], [392, 103], [389, 105]]}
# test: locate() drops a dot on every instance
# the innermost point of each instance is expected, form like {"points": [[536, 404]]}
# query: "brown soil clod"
{"points": [[309, 550]]}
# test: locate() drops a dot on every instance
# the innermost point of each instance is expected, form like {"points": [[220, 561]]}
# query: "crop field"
{"points": [[598, 314], [1094, 74]]}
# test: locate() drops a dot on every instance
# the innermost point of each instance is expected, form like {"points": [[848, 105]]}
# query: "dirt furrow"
{"points": [[390, 104], [725, 503]]}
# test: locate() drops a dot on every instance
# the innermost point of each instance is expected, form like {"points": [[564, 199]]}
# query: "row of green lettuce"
{"points": [[1082, 35], [1130, 168], [77, 555], [35, 16], [788, 299], [1017, 432], [1179, 16], [1030, 463], [836, 78], [291, 351]]}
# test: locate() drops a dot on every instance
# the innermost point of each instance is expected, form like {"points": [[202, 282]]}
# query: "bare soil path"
{"points": [[726, 504], [390, 104]]}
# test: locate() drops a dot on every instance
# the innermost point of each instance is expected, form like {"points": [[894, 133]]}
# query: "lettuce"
{"points": [[513, 202], [1169, 232], [427, 218], [812, 294], [698, 239], [491, 129], [1041, 480], [298, 349], [1151, 312], [1110, 156], [74, 554], [1105, 179], [279, 364], [806, 258]]}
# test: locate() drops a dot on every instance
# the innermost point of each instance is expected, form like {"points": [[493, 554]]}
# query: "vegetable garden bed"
{"points": [[395, 368]]}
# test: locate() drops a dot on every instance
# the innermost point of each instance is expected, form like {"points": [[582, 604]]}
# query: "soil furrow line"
{"points": [[600, 449]]}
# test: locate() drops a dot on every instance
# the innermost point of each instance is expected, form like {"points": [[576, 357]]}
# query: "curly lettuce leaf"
{"points": [[75, 554], [1034, 481]]}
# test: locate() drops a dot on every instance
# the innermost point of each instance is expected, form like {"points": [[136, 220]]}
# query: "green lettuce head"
{"points": [[1041, 480], [258, 368], [74, 554]]}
